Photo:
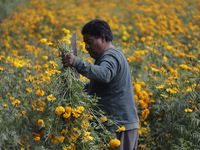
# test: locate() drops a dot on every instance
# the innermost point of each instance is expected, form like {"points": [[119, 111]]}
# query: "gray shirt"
{"points": [[111, 80]]}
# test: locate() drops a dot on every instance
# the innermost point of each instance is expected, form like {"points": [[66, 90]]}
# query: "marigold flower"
{"points": [[114, 143], [59, 110], [39, 92], [43, 40], [142, 39], [137, 88], [66, 115], [182, 66], [188, 110], [12, 98], [41, 122], [37, 138], [5, 105], [104, 119], [28, 90], [51, 98], [44, 57], [85, 116], [65, 31], [169, 48], [75, 113], [80, 109], [165, 58], [1, 68], [23, 112], [61, 138], [45, 66], [68, 109], [124, 38], [90, 118], [121, 129]]}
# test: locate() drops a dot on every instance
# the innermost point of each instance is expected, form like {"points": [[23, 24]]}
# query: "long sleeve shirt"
{"points": [[111, 80]]}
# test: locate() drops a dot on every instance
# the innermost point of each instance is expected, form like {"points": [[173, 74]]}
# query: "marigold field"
{"points": [[42, 104]]}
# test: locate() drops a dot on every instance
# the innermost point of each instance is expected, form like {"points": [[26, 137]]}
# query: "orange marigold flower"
{"points": [[39, 92], [59, 110], [104, 119], [114, 143]]}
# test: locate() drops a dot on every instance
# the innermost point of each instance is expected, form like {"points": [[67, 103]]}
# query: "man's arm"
{"points": [[104, 72]]}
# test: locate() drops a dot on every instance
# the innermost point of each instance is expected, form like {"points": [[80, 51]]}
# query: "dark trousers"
{"points": [[128, 139]]}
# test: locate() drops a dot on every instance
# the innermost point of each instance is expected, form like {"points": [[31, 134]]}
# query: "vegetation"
{"points": [[161, 40]]}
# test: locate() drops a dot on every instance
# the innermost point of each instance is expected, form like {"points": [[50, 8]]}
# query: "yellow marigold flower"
{"points": [[189, 36], [165, 58], [114, 143], [169, 48], [5, 105], [45, 66], [89, 138], [137, 88], [195, 107], [23, 112], [84, 125], [75, 113], [22, 148], [131, 58], [142, 146], [61, 138], [12, 98], [65, 31], [66, 115], [1, 68], [44, 57], [165, 96], [41, 122], [142, 39], [43, 40], [51, 98], [64, 131], [41, 103], [59, 110], [68, 109], [39, 92], [136, 98], [104, 119], [124, 38], [143, 104], [80, 109], [160, 87], [37, 138], [121, 129], [188, 110], [28, 90], [40, 109], [90, 118], [85, 116], [159, 119], [16, 102], [182, 66]]}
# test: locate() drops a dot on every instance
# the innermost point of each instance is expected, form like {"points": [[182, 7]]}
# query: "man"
{"points": [[110, 79]]}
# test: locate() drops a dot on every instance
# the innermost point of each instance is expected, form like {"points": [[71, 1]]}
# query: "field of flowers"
{"points": [[42, 104]]}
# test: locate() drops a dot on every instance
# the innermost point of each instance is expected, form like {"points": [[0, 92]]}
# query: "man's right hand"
{"points": [[67, 59]]}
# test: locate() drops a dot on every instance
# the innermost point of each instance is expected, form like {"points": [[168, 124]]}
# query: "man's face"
{"points": [[94, 46]]}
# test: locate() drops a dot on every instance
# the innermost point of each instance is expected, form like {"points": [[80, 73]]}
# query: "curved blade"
{"points": [[73, 44], [74, 47]]}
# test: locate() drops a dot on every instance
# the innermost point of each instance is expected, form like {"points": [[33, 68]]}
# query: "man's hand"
{"points": [[67, 60]]}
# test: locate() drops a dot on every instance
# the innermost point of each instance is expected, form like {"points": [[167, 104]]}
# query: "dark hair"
{"points": [[97, 28]]}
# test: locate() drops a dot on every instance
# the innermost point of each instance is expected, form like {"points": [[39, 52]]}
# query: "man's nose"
{"points": [[87, 46]]}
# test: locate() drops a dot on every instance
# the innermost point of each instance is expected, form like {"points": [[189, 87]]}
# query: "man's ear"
{"points": [[103, 38]]}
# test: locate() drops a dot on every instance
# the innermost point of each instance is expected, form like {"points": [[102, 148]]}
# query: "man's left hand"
{"points": [[67, 60]]}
